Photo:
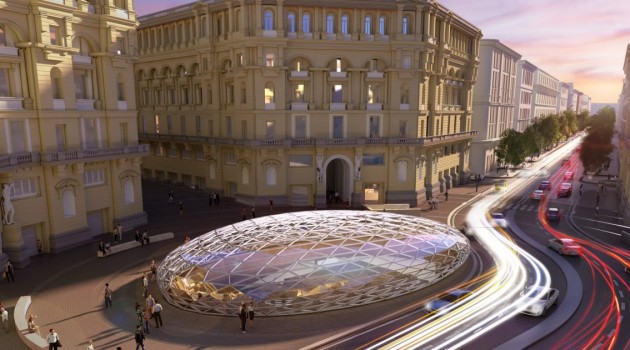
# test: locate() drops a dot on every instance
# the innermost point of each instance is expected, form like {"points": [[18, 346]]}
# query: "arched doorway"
{"points": [[338, 180]]}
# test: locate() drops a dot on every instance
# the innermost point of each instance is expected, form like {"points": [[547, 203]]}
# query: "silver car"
{"points": [[544, 299], [564, 246]]}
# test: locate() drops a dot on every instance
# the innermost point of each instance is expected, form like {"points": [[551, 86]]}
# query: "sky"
{"points": [[578, 41]]}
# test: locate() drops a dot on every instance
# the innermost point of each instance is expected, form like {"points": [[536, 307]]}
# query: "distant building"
{"points": [[297, 101], [69, 152], [623, 130], [524, 93], [563, 100], [546, 94], [493, 102]]}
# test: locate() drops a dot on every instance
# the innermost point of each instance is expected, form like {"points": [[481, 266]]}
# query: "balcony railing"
{"points": [[15, 160], [136, 150]]}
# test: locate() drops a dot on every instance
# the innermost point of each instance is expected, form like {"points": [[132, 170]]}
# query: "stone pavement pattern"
{"points": [[67, 288]]}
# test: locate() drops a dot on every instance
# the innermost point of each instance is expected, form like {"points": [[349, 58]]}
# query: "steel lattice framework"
{"points": [[307, 262]]}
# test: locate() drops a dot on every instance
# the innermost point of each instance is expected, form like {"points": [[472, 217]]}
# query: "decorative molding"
{"points": [[67, 184]]}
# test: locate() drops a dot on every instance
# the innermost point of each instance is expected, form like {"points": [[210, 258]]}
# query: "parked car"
{"points": [[565, 190], [537, 195], [500, 186], [499, 220], [545, 298], [447, 299], [564, 246], [476, 177], [553, 214], [544, 185], [568, 175]]}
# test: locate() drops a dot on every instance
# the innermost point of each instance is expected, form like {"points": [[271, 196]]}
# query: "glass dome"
{"points": [[305, 262]]}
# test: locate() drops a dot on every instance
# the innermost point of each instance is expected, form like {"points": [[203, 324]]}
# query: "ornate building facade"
{"points": [[69, 152], [295, 103]]}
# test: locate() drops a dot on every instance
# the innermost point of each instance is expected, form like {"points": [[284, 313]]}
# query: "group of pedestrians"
{"points": [[213, 198], [245, 312], [252, 213]]}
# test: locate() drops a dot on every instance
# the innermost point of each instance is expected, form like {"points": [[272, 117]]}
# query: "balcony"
{"points": [[299, 74], [122, 105], [375, 75], [404, 106], [269, 33], [338, 106], [8, 51], [374, 106], [338, 74], [80, 59], [12, 161], [11, 103], [270, 106], [120, 13], [59, 104], [85, 104], [139, 150], [299, 106]]}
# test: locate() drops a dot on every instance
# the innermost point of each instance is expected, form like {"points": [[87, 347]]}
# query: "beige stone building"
{"points": [[297, 102], [69, 152], [623, 132]]}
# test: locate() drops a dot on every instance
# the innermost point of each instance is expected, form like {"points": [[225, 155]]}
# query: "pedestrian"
{"points": [[243, 214], [115, 234], [146, 316], [171, 197], [581, 185], [596, 209], [139, 338], [253, 212], [446, 196], [90, 345], [149, 302], [5, 319], [476, 186], [216, 198], [145, 237], [157, 314], [580, 192], [138, 236], [8, 270], [242, 316], [210, 198], [108, 296], [139, 314], [250, 313], [145, 284], [40, 247], [270, 204], [153, 268], [436, 202], [53, 340], [120, 231], [32, 327], [181, 208]]}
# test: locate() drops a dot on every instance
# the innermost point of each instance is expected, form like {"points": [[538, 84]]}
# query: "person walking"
{"points": [[171, 197], [120, 231], [476, 186], [139, 338], [115, 234], [596, 209], [53, 340], [253, 212], [270, 204], [145, 284], [446, 196], [138, 236], [145, 237], [153, 268], [108, 296], [5, 319], [181, 208], [210, 198], [149, 302], [250, 313], [8, 270], [242, 316], [147, 316], [157, 314]]}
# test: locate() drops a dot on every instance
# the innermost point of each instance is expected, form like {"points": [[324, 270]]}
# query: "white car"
{"points": [[544, 299], [499, 220]]}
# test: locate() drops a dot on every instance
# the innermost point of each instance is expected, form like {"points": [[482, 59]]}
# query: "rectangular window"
{"points": [[185, 96], [243, 95], [18, 139], [120, 46], [230, 157], [198, 94], [402, 128], [300, 160], [299, 93], [90, 133], [269, 60], [337, 94], [230, 94], [375, 126], [80, 85], [156, 123], [120, 91], [211, 128], [182, 125], [197, 125], [5, 91], [228, 127], [337, 127], [23, 188], [56, 88], [169, 124], [244, 129], [269, 94], [171, 96], [239, 59], [93, 177], [54, 35], [271, 130], [373, 159], [300, 127], [60, 131]]}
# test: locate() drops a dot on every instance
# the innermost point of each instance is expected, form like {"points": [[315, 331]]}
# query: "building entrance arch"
{"points": [[338, 175]]}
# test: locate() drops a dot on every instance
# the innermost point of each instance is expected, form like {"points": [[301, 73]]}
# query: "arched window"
{"points": [[69, 205], [245, 175], [130, 196], [291, 22], [401, 168], [344, 24], [368, 25], [270, 176], [56, 85], [405, 25], [269, 93], [381, 25], [306, 23], [330, 24], [268, 20]]}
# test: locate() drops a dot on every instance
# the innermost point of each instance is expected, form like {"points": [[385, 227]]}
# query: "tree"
{"points": [[597, 145], [532, 140], [511, 148], [548, 128], [583, 120]]}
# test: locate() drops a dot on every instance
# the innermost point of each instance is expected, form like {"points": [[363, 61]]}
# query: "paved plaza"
{"points": [[67, 288]]}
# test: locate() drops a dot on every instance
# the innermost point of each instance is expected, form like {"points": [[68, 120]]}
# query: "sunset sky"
{"points": [[583, 42]]}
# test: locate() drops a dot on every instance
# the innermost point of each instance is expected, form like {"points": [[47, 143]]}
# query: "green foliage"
{"points": [[511, 148], [583, 120], [597, 145], [532, 140]]}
